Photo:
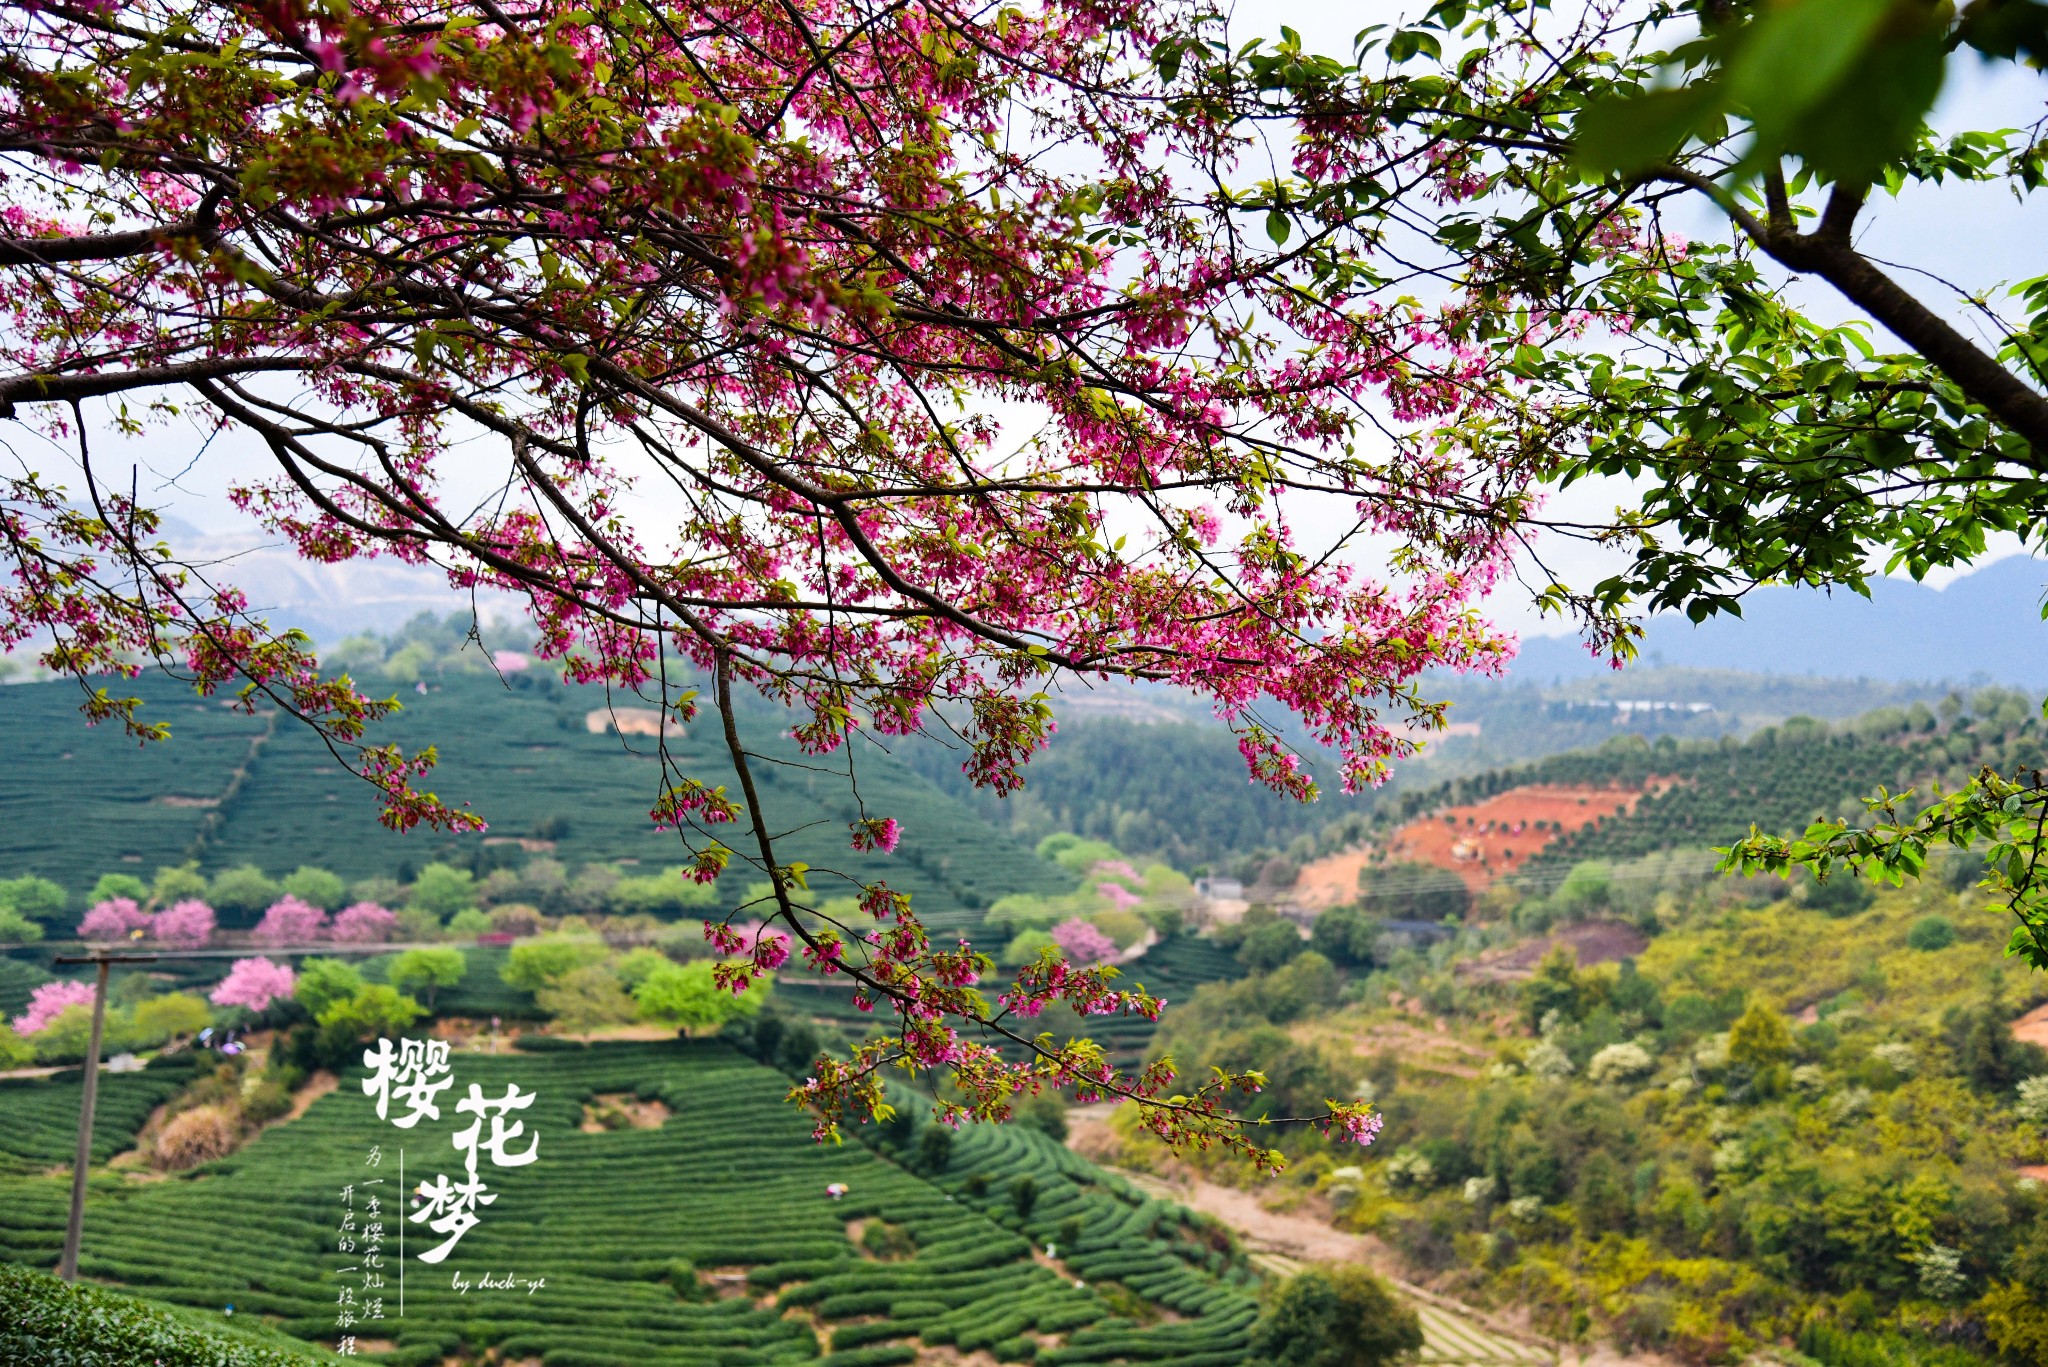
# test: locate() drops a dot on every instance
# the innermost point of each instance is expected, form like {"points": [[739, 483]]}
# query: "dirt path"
{"points": [[1283, 1242]]}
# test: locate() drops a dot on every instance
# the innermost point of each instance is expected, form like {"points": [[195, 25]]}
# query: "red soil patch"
{"points": [[2033, 1027], [1331, 881], [1481, 841]]}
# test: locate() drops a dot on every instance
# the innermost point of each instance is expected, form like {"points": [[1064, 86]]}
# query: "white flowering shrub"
{"points": [[1941, 1272], [2033, 1100], [1410, 1169], [1619, 1063], [1810, 1077], [1545, 1059], [1852, 1102], [1900, 1058]]}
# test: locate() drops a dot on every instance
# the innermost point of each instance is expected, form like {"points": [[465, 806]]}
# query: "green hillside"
{"points": [[1177, 791], [41, 1129], [229, 789], [628, 1226], [1781, 778]]}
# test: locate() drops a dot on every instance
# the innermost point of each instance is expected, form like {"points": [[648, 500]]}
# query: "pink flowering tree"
{"points": [[50, 1001], [789, 264], [183, 925], [255, 984], [290, 921], [1119, 870], [1117, 895], [1082, 943], [364, 923], [114, 919]]}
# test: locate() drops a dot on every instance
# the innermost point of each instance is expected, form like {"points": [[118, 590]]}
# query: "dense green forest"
{"points": [[1136, 785]]}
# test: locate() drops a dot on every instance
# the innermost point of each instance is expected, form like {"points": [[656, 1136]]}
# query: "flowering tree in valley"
{"points": [[889, 361], [187, 924], [364, 923], [1082, 943], [1117, 895], [290, 921], [113, 919], [253, 983], [50, 1001]]}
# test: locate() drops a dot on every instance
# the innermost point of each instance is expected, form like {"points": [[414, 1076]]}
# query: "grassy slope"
{"points": [[731, 1180]]}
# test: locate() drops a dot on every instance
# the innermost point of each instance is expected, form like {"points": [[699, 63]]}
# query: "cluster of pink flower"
{"points": [[1117, 895], [255, 984], [667, 235], [48, 1002], [1083, 943], [292, 921], [186, 924]]}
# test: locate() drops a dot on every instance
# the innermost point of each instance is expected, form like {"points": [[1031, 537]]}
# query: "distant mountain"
{"points": [[329, 602], [1983, 628]]}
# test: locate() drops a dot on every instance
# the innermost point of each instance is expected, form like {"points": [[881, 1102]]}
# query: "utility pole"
{"points": [[68, 1267]]}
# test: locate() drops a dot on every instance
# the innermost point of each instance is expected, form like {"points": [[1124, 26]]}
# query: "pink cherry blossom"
{"points": [[1082, 943], [185, 925], [364, 923], [290, 921], [807, 290], [113, 919], [50, 1001], [1118, 895], [254, 983]]}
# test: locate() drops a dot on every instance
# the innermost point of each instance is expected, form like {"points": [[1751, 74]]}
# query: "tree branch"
{"points": [[1827, 253]]}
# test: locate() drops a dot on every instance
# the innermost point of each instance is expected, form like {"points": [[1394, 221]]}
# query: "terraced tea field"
{"points": [[18, 978], [39, 1116], [77, 801], [730, 1181]]}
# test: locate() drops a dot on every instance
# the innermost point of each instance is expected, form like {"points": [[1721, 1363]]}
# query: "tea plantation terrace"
{"points": [[707, 1240]]}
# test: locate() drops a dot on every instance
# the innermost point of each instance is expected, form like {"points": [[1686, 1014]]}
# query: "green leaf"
{"points": [[1797, 52], [1278, 227], [1408, 42], [1635, 131]]}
